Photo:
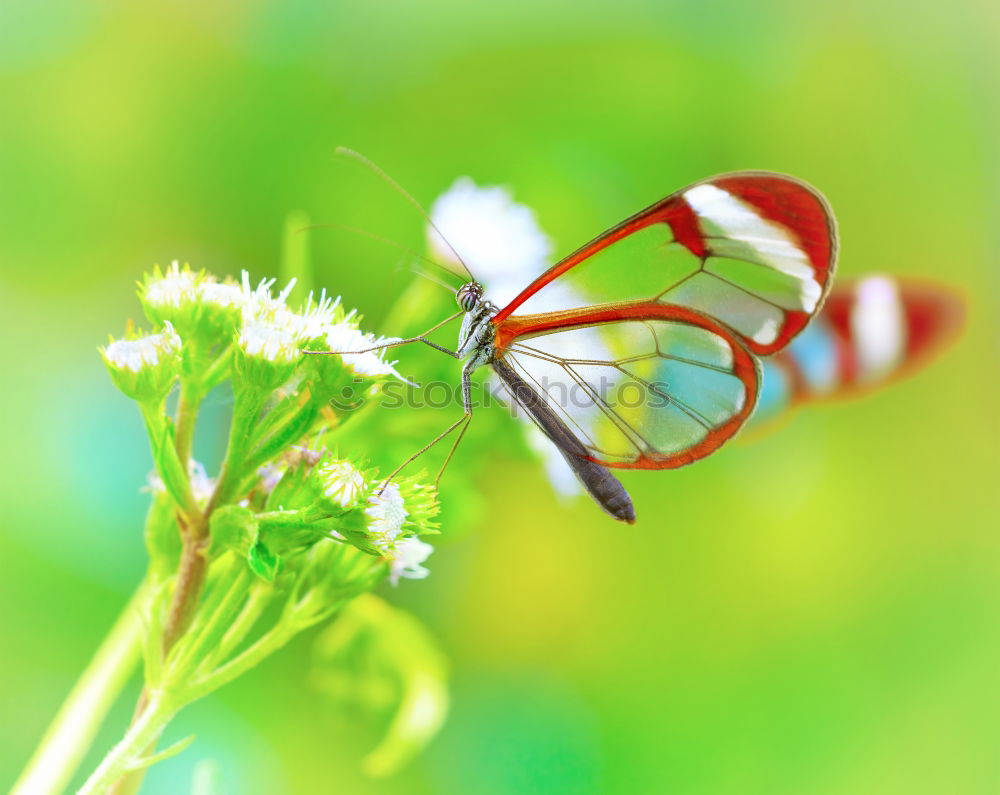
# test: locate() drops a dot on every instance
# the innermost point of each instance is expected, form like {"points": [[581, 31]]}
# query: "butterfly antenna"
{"points": [[346, 152], [434, 279], [371, 235]]}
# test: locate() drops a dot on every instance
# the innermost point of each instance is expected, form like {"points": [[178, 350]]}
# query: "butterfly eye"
{"points": [[468, 296]]}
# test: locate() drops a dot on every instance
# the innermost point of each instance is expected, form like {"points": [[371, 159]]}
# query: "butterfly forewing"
{"points": [[754, 251]]}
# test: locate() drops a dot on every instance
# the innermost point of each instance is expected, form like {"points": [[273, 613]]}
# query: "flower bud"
{"points": [[144, 368], [343, 485], [172, 296], [345, 372], [221, 309], [266, 355]]}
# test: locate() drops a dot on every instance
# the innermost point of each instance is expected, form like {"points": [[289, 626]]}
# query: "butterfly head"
{"points": [[469, 295]]}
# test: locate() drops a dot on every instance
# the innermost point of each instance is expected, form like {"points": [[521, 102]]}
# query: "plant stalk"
{"points": [[127, 756], [187, 414], [68, 738]]}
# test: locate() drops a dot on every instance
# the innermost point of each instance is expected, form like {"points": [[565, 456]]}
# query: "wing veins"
{"points": [[696, 416], [760, 298], [544, 394], [623, 427]]}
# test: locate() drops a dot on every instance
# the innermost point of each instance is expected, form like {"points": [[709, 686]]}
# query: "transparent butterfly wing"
{"points": [[654, 390], [754, 251]]}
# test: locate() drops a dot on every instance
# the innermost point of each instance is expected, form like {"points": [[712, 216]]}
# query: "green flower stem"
{"points": [[72, 731], [287, 433], [219, 370], [189, 582], [247, 406], [212, 621], [154, 417], [253, 608], [194, 531], [274, 415], [268, 643], [128, 756], [206, 627], [187, 414], [190, 578]]}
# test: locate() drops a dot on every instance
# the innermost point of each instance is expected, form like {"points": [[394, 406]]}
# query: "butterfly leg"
{"points": [[395, 343], [462, 422], [466, 418]]}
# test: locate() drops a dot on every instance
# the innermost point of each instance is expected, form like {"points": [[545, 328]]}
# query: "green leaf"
{"points": [[263, 562], [383, 662], [291, 431], [233, 527]]}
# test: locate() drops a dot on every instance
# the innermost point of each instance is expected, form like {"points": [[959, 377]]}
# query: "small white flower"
{"points": [[134, 355], [493, 234], [344, 338], [343, 483], [386, 514], [202, 486], [317, 318], [176, 288], [406, 559], [258, 302], [265, 340], [224, 295]]}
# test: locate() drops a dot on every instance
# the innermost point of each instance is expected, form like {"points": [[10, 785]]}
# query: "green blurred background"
{"points": [[811, 611]]}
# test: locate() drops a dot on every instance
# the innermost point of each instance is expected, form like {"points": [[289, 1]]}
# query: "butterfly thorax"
{"points": [[477, 337]]}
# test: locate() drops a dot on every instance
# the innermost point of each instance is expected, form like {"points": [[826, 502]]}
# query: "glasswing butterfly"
{"points": [[682, 299]]}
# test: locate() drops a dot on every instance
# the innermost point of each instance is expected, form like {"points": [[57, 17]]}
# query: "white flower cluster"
{"points": [[174, 289], [498, 239], [269, 329], [385, 516]]}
